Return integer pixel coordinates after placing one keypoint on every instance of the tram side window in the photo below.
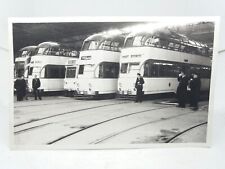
(168, 69)
(157, 68)
(171, 45)
(115, 46)
(108, 70)
(129, 42)
(138, 41)
(151, 41)
(182, 47)
(163, 43)
(147, 69)
(70, 72)
(81, 69)
(105, 45)
(93, 45)
(201, 71)
(124, 67)
(86, 45)
(205, 72)
(55, 71)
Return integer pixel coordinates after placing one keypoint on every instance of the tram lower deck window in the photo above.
(158, 68)
(55, 71)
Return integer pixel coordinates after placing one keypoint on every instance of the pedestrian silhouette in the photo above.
(182, 89)
(35, 85)
(139, 87)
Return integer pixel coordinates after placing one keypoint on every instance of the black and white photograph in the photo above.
(112, 82)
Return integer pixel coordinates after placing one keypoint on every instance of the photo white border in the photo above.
(215, 19)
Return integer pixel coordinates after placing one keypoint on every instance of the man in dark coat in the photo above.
(35, 85)
(195, 85)
(139, 87)
(182, 89)
(20, 86)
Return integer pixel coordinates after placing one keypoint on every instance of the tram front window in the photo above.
(138, 41)
(90, 45)
(24, 53)
(108, 70)
(55, 71)
(70, 72)
(41, 51)
(105, 45)
(129, 42)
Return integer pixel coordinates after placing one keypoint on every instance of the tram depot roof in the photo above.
(73, 34)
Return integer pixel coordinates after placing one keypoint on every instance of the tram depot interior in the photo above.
(91, 67)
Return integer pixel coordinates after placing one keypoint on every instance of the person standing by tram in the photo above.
(35, 85)
(182, 89)
(195, 85)
(20, 86)
(139, 87)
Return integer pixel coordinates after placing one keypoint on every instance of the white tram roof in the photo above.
(48, 44)
(102, 36)
(168, 34)
(28, 48)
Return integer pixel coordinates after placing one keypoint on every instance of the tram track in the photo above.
(97, 141)
(68, 112)
(170, 140)
(45, 104)
(34, 127)
(135, 127)
(105, 121)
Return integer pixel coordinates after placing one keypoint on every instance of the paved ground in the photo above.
(65, 121)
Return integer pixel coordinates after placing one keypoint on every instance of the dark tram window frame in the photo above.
(124, 68)
(161, 68)
(70, 72)
(81, 69)
(54, 72)
(156, 70)
(108, 70)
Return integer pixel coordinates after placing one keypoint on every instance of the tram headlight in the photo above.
(77, 86)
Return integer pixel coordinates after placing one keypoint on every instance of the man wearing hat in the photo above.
(139, 87)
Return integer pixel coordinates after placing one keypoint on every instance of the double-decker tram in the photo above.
(48, 64)
(99, 65)
(159, 57)
(70, 77)
(23, 60)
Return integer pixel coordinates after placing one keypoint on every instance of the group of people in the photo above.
(188, 89)
(22, 88)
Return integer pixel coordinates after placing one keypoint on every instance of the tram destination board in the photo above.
(112, 82)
